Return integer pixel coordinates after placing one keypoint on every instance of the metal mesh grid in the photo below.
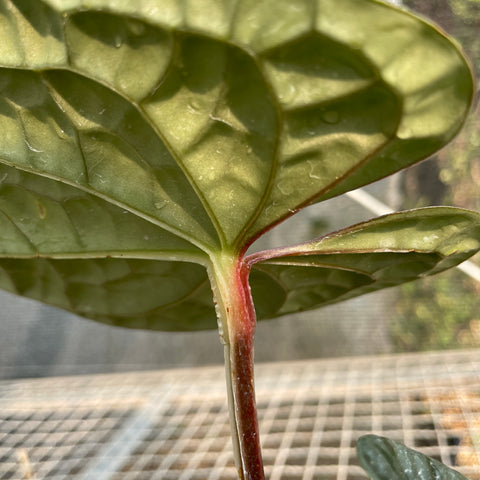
(173, 424)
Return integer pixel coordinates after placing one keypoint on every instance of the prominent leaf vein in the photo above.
(242, 240)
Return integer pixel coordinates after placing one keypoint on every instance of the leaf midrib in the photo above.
(243, 241)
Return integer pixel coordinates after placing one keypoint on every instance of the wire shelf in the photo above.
(173, 425)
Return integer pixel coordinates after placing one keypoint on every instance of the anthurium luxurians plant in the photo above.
(146, 145)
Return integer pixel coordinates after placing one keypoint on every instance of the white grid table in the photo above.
(173, 425)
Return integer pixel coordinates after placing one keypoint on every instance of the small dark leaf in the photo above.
(384, 459)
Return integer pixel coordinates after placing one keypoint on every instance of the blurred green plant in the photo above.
(460, 166)
(437, 313)
(442, 313)
(466, 10)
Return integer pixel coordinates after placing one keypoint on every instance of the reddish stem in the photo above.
(238, 326)
(246, 411)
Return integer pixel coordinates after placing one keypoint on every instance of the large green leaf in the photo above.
(384, 459)
(130, 293)
(141, 139)
(249, 115)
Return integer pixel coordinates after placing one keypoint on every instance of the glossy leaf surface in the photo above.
(384, 459)
(140, 139)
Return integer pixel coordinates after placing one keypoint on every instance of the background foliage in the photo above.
(444, 312)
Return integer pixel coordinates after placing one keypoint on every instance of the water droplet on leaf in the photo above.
(316, 170)
(270, 209)
(312, 126)
(32, 148)
(286, 187)
(137, 28)
(60, 132)
(80, 178)
(194, 106)
(42, 212)
(160, 204)
(100, 178)
(288, 94)
(331, 117)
